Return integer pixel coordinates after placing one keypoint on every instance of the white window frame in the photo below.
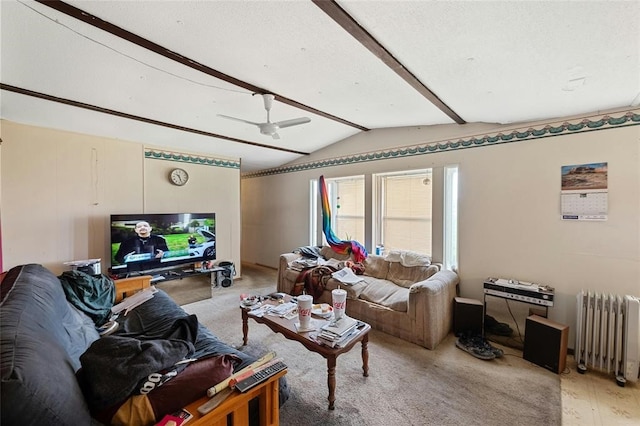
(450, 218)
(316, 234)
(378, 200)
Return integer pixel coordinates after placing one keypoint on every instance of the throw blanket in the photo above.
(93, 295)
(116, 366)
(313, 280)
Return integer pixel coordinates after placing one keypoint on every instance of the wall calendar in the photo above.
(584, 192)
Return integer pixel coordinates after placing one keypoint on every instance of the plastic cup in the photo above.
(305, 303)
(339, 302)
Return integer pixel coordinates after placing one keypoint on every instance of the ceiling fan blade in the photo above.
(239, 119)
(292, 122)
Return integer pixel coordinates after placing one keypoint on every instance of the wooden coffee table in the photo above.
(308, 339)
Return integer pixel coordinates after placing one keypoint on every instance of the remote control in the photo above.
(260, 376)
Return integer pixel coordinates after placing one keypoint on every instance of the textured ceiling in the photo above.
(493, 62)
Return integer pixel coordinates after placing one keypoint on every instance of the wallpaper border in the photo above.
(159, 154)
(551, 129)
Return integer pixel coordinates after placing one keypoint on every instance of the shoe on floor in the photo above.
(466, 344)
(492, 326)
(481, 342)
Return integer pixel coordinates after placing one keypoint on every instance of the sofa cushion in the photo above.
(156, 316)
(38, 368)
(386, 294)
(376, 266)
(406, 276)
(353, 290)
(82, 333)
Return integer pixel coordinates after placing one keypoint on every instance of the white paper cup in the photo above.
(339, 302)
(305, 303)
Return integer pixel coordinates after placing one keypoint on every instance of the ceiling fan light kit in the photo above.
(268, 128)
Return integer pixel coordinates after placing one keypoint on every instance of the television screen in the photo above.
(144, 242)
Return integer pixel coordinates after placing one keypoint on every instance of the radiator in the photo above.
(608, 334)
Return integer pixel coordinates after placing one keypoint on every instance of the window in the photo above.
(450, 258)
(403, 210)
(346, 200)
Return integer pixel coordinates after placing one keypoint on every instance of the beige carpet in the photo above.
(407, 384)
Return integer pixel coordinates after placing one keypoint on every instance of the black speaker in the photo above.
(468, 316)
(224, 278)
(545, 343)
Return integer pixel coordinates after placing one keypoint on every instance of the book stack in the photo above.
(338, 333)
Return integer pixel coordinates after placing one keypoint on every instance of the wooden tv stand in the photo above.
(128, 286)
(236, 406)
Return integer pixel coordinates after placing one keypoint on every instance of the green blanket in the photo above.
(93, 295)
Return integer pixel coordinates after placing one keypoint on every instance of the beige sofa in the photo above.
(414, 303)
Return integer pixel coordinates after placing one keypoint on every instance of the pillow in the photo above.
(190, 384)
(375, 266)
(408, 258)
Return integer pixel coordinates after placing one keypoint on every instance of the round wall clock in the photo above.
(178, 177)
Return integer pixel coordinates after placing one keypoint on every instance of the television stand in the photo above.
(170, 274)
(179, 274)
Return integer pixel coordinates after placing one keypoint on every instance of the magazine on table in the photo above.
(341, 326)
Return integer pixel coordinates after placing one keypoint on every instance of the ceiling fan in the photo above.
(268, 128)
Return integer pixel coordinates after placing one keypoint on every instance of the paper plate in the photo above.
(317, 310)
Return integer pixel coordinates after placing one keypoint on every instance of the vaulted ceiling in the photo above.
(162, 72)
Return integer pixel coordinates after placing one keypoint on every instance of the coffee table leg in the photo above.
(331, 380)
(245, 327)
(365, 355)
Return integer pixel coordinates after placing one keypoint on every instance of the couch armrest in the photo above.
(127, 286)
(283, 265)
(431, 306)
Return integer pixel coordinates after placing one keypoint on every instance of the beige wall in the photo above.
(509, 202)
(59, 188)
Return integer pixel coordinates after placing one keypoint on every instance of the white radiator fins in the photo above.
(608, 334)
(631, 352)
(619, 331)
(611, 331)
(581, 314)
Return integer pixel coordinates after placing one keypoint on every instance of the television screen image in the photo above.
(145, 242)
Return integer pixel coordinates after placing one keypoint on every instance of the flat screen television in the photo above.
(143, 243)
